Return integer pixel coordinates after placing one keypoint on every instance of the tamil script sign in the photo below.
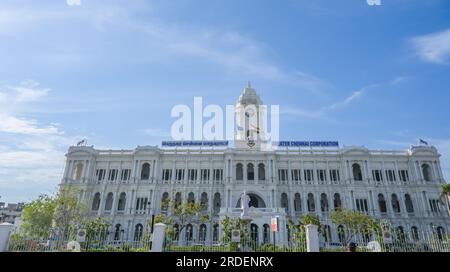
(194, 143)
(274, 224)
(308, 144)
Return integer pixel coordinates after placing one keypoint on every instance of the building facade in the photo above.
(128, 186)
(10, 213)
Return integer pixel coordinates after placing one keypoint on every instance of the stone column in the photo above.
(158, 237)
(5, 232)
(312, 238)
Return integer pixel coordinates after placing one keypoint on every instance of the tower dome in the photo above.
(249, 97)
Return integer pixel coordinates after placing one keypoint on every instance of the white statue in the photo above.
(245, 200)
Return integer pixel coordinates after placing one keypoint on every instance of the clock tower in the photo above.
(250, 116)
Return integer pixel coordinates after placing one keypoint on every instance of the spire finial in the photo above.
(249, 85)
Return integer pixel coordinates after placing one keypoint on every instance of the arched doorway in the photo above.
(255, 201)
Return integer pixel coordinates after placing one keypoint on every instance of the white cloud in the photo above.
(346, 101)
(31, 154)
(300, 112)
(11, 124)
(434, 47)
(161, 39)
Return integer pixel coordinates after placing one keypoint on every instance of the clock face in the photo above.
(250, 113)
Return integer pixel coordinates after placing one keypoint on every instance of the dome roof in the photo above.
(249, 97)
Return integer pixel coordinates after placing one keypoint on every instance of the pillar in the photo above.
(312, 238)
(158, 237)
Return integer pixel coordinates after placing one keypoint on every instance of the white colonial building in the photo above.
(128, 186)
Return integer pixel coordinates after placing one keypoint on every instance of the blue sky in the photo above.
(110, 71)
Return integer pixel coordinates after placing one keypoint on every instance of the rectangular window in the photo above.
(403, 174)
(179, 174)
(295, 174)
(390, 175)
(204, 174)
(218, 174)
(167, 174)
(100, 173)
(112, 175)
(309, 175)
(282, 174)
(141, 203)
(321, 175)
(377, 175)
(125, 174)
(334, 175)
(361, 205)
(434, 205)
(192, 174)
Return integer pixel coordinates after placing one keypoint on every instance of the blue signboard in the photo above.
(194, 143)
(308, 144)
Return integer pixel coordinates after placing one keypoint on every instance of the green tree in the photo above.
(182, 214)
(298, 232)
(229, 224)
(445, 195)
(37, 216)
(354, 223)
(96, 230)
(309, 219)
(69, 213)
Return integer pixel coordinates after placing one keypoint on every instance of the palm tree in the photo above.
(445, 195)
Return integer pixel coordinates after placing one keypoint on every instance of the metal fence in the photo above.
(374, 241)
(57, 241)
(105, 241)
(246, 244)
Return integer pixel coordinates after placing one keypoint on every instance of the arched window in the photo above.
(400, 233)
(409, 204)
(297, 202)
(426, 171)
(239, 171)
(189, 233)
(254, 233)
(202, 233)
(96, 202)
(145, 172)
(284, 201)
(395, 203)
(138, 230)
(341, 233)
(204, 201)
(177, 200)
(326, 233)
(324, 202)
(357, 174)
(414, 233)
(217, 202)
(266, 234)
(216, 233)
(78, 171)
(382, 203)
(191, 198)
(337, 201)
(250, 171)
(117, 232)
(122, 202)
(440, 233)
(311, 204)
(164, 201)
(261, 171)
(109, 202)
(176, 232)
